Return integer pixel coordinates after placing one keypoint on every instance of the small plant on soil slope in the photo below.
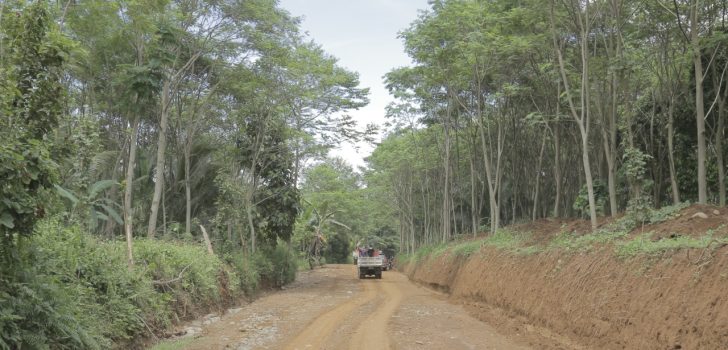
(608, 234)
(507, 239)
(465, 249)
(644, 245)
(429, 251)
(667, 213)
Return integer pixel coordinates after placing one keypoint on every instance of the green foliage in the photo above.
(338, 248)
(645, 245)
(36, 54)
(573, 242)
(71, 291)
(247, 272)
(581, 203)
(27, 170)
(507, 239)
(667, 212)
(634, 163)
(284, 263)
(276, 266)
(429, 252)
(466, 249)
(92, 204)
(199, 272)
(178, 344)
(264, 150)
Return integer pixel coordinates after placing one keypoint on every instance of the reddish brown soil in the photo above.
(331, 308)
(593, 300)
(543, 230)
(687, 224)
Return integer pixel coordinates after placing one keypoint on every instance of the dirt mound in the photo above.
(593, 300)
(543, 230)
(694, 220)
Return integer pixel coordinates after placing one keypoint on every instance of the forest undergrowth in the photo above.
(71, 290)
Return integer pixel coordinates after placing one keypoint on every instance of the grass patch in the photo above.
(666, 213)
(610, 233)
(644, 245)
(429, 251)
(506, 239)
(173, 344)
(465, 249)
(571, 242)
(615, 233)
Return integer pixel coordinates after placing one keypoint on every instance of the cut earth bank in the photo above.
(662, 285)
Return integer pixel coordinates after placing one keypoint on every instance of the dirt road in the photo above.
(330, 308)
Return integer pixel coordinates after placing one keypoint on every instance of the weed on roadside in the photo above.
(644, 245)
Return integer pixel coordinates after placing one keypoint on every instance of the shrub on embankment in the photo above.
(612, 289)
(69, 290)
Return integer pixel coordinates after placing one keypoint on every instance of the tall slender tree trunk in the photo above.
(249, 203)
(584, 125)
(538, 179)
(128, 189)
(159, 167)
(582, 118)
(188, 190)
(671, 151)
(719, 134)
(699, 104)
(557, 158)
(491, 179)
(251, 226)
(611, 144)
(446, 221)
(611, 138)
(473, 198)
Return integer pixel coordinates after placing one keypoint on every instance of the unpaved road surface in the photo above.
(331, 308)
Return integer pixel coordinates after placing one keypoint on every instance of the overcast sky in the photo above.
(362, 34)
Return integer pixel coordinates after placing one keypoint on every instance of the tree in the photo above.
(30, 104)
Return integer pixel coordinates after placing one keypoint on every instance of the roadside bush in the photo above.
(68, 290)
(186, 273)
(276, 266)
(247, 273)
(74, 292)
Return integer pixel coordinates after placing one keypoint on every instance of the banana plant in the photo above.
(95, 206)
(317, 218)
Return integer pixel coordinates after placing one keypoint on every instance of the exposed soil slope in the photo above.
(678, 300)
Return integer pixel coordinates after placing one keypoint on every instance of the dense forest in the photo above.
(161, 158)
(519, 110)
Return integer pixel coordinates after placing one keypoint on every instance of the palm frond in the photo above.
(102, 161)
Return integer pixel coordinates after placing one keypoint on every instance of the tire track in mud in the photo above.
(331, 309)
(376, 324)
(318, 331)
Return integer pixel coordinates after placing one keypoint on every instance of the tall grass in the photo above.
(68, 290)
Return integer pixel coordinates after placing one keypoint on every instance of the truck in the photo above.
(370, 266)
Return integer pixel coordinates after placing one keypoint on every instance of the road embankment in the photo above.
(591, 299)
